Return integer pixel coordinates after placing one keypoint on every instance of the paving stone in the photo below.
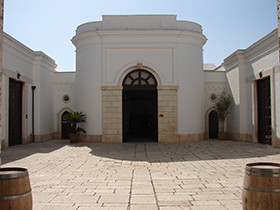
(215, 196)
(57, 206)
(208, 207)
(142, 191)
(192, 176)
(103, 207)
(175, 207)
(43, 197)
(168, 199)
(74, 199)
(113, 199)
(143, 206)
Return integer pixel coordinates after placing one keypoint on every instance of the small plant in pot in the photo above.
(73, 119)
(222, 106)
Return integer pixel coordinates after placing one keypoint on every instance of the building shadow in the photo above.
(18, 152)
(177, 152)
(150, 152)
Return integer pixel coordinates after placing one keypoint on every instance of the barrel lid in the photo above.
(266, 167)
(7, 173)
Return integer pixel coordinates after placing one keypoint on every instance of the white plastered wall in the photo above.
(191, 89)
(106, 50)
(25, 65)
(88, 85)
(243, 69)
(214, 83)
(277, 101)
(43, 94)
(17, 59)
(64, 83)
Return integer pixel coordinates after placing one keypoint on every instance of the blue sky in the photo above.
(49, 25)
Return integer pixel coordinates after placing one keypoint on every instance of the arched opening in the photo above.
(64, 127)
(140, 110)
(213, 125)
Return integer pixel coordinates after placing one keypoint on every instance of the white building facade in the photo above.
(141, 78)
(23, 69)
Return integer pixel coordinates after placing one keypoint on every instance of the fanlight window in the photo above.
(138, 78)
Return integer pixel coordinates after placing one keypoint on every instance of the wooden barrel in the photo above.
(261, 187)
(15, 190)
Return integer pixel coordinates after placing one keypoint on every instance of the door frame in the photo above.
(26, 90)
(264, 140)
(206, 124)
(125, 113)
(66, 127)
(253, 80)
(20, 141)
(139, 80)
(59, 121)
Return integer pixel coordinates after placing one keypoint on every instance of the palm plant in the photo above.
(73, 119)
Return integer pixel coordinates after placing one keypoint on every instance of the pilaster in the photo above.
(112, 114)
(167, 114)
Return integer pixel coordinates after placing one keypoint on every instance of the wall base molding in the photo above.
(277, 142)
(4, 144)
(42, 137)
(191, 137)
(90, 138)
(244, 137)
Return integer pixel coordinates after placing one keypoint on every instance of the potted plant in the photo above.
(222, 105)
(73, 119)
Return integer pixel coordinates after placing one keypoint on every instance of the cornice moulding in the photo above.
(17, 45)
(98, 36)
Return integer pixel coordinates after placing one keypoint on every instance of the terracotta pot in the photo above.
(223, 136)
(74, 137)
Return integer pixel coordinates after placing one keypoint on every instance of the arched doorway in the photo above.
(140, 110)
(213, 125)
(64, 127)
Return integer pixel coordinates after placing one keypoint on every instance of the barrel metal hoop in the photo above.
(263, 175)
(24, 172)
(261, 189)
(249, 167)
(14, 197)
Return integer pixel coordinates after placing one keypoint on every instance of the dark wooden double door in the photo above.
(140, 115)
(264, 111)
(15, 112)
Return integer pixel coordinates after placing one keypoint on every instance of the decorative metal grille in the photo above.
(138, 78)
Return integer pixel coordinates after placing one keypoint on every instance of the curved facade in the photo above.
(171, 50)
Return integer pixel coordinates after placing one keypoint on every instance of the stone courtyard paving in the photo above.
(196, 175)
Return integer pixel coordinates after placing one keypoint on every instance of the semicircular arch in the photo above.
(207, 121)
(59, 115)
(139, 67)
